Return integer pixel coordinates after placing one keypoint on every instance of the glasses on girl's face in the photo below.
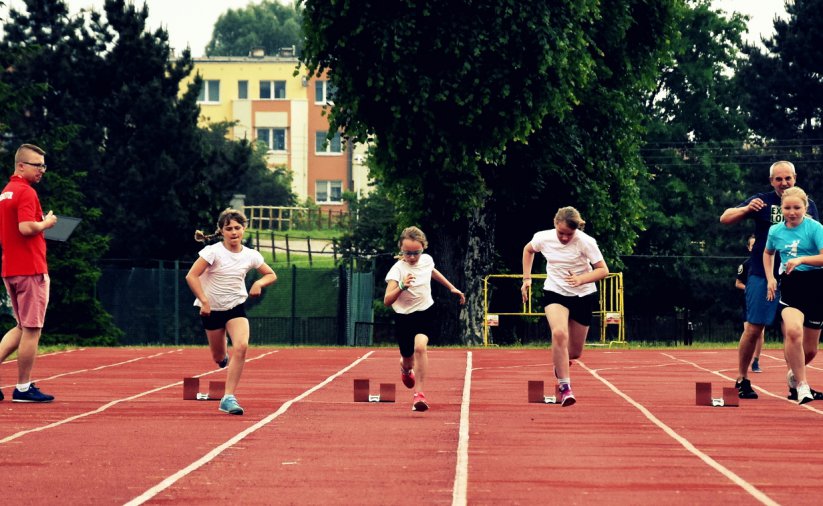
(412, 253)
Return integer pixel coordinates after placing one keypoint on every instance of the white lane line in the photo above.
(46, 355)
(205, 459)
(461, 472)
(717, 466)
(99, 368)
(731, 379)
(115, 402)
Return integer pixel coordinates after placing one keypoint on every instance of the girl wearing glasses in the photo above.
(408, 292)
(573, 265)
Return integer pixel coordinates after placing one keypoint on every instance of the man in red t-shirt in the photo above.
(25, 272)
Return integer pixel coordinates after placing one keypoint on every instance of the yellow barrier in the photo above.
(611, 310)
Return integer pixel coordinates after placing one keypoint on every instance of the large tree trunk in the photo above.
(463, 252)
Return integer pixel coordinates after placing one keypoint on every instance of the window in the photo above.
(327, 192)
(272, 90)
(273, 138)
(209, 92)
(242, 90)
(334, 144)
(324, 92)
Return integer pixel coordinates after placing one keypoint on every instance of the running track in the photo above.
(120, 433)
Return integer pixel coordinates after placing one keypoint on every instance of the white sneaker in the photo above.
(804, 393)
(790, 379)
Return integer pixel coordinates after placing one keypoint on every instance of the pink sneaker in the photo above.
(566, 396)
(419, 403)
(407, 377)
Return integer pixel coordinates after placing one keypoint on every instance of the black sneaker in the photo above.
(744, 389)
(818, 396)
(1, 395)
(33, 394)
(223, 363)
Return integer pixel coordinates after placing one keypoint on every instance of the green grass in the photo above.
(300, 260)
(320, 233)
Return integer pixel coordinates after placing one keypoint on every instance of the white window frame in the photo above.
(273, 88)
(320, 137)
(269, 138)
(239, 87)
(206, 89)
(324, 93)
(326, 187)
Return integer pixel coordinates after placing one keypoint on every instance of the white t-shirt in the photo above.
(419, 295)
(576, 257)
(224, 281)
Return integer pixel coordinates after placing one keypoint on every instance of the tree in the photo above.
(448, 88)
(127, 153)
(34, 50)
(783, 90)
(694, 130)
(265, 186)
(268, 24)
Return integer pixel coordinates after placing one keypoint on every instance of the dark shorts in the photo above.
(580, 308)
(409, 325)
(217, 320)
(801, 290)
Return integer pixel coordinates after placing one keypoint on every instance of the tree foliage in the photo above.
(150, 168)
(452, 89)
(783, 90)
(694, 131)
(268, 24)
(267, 186)
(124, 149)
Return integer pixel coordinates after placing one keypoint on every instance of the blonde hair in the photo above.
(570, 217)
(795, 191)
(225, 217)
(27, 147)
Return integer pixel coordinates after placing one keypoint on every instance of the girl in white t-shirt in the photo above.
(218, 280)
(408, 292)
(573, 265)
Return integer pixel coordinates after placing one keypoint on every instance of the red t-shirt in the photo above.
(22, 255)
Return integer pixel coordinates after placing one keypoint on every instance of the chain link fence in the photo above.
(152, 304)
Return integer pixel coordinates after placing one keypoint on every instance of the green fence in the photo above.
(152, 304)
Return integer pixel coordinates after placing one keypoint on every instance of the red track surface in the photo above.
(120, 432)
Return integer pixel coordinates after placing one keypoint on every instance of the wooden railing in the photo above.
(283, 218)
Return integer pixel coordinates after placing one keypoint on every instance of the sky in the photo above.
(190, 22)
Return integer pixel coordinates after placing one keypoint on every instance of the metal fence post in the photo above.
(293, 300)
(177, 302)
(159, 313)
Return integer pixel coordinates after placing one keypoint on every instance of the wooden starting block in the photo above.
(703, 396)
(362, 392)
(191, 390)
(537, 393)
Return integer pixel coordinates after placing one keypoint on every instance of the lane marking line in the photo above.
(110, 404)
(461, 471)
(761, 389)
(205, 459)
(717, 466)
(99, 368)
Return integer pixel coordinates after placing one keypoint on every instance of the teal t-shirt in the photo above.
(803, 240)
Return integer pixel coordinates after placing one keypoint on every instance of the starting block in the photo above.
(191, 387)
(537, 393)
(361, 392)
(703, 396)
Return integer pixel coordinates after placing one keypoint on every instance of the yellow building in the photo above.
(271, 105)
